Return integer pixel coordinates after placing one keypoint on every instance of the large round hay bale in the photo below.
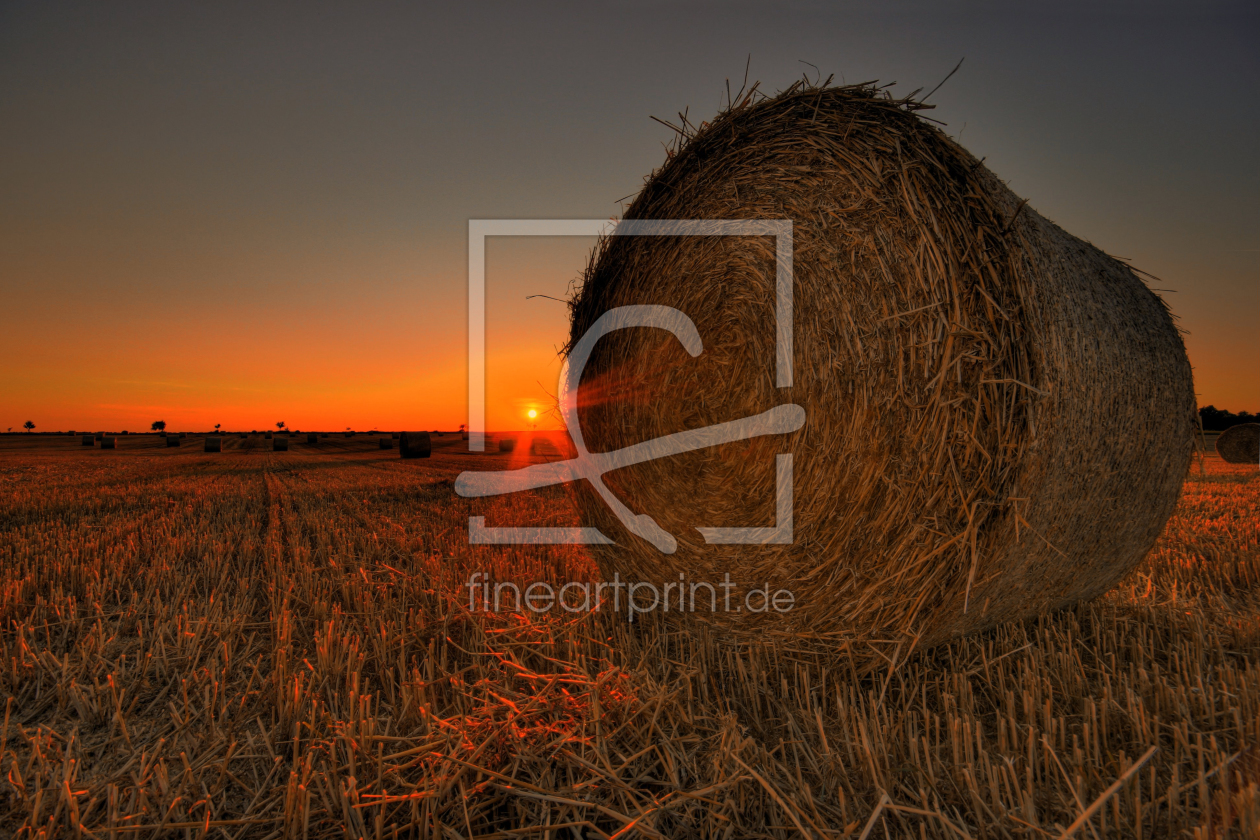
(1240, 444)
(414, 445)
(99, 435)
(107, 443)
(387, 443)
(998, 416)
(507, 444)
(267, 436)
(172, 440)
(312, 439)
(88, 440)
(280, 443)
(214, 443)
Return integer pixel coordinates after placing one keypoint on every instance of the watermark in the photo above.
(638, 596)
(591, 467)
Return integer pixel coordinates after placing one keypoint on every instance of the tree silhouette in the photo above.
(1218, 419)
(158, 425)
(216, 427)
(280, 425)
(28, 425)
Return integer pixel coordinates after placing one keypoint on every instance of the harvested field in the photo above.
(259, 646)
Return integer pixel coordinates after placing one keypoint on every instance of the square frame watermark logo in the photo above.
(590, 466)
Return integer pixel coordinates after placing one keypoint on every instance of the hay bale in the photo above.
(1240, 444)
(172, 440)
(349, 434)
(107, 443)
(88, 440)
(998, 416)
(280, 444)
(463, 435)
(507, 444)
(214, 443)
(312, 439)
(387, 443)
(415, 445)
(267, 436)
(99, 435)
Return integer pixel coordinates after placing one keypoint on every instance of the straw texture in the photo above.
(1240, 444)
(414, 445)
(999, 416)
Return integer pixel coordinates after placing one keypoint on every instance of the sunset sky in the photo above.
(240, 214)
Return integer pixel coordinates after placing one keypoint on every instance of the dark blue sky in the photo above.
(318, 159)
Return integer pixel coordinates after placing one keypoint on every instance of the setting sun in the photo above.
(532, 414)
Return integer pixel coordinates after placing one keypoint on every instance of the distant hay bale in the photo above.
(414, 445)
(280, 444)
(349, 434)
(89, 440)
(463, 435)
(107, 443)
(1240, 444)
(267, 436)
(507, 444)
(387, 443)
(312, 439)
(99, 435)
(998, 417)
(214, 443)
(172, 440)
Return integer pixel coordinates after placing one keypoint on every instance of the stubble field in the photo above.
(278, 644)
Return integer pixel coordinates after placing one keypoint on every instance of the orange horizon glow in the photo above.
(321, 356)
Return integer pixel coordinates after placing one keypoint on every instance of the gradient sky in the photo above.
(246, 213)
